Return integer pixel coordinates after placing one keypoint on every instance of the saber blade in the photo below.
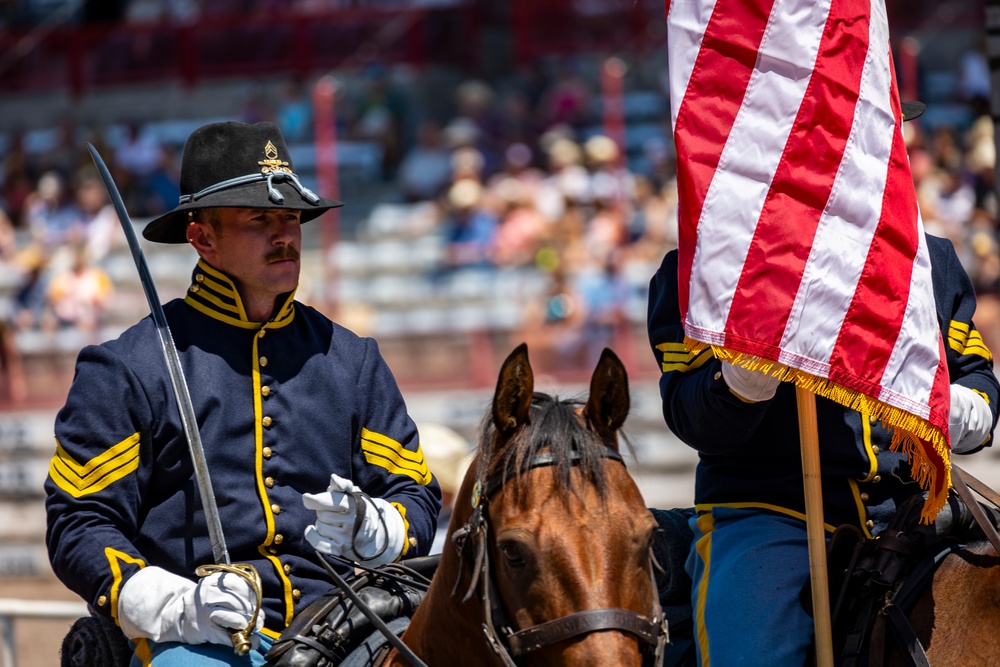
(214, 522)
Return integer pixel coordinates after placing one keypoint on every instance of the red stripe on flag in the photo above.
(802, 182)
(941, 392)
(707, 112)
(875, 315)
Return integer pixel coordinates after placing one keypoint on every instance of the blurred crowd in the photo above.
(517, 174)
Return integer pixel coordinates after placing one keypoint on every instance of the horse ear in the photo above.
(608, 403)
(515, 387)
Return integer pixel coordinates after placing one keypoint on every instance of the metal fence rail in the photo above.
(12, 609)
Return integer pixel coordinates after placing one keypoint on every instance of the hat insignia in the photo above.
(272, 163)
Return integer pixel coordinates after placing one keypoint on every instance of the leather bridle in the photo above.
(509, 644)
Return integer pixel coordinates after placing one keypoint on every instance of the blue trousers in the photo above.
(175, 654)
(748, 568)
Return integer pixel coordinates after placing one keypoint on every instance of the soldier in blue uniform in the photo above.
(300, 418)
(749, 558)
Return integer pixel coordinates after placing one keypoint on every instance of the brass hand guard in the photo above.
(241, 638)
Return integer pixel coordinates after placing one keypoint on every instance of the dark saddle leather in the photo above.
(326, 632)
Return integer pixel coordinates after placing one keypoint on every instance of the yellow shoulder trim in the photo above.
(98, 473)
(384, 452)
(115, 558)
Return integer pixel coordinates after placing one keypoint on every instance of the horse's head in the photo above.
(567, 553)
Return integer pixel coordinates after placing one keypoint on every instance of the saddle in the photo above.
(333, 631)
(874, 583)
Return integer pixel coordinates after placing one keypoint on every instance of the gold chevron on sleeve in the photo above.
(79, 480)
(677, 358)
(965, 340)
(385, 452)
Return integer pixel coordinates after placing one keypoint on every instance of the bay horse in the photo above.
(956, 617)
(549, 558)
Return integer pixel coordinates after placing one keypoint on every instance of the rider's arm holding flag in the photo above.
(698, 403)
(974, 393)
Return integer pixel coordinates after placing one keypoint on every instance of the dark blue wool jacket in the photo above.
(280, 406)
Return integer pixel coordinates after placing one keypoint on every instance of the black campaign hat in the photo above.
(912, 109)
(236, 165)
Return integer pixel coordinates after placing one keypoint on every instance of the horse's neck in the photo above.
(444, 628)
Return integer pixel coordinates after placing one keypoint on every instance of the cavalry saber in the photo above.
(219, 550)
(241, 641)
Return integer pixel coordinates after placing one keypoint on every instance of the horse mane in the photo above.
(553, 426)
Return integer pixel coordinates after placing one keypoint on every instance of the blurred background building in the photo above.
(508, 171)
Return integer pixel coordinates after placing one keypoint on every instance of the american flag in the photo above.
(801, 247)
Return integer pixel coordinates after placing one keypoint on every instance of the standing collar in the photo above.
(214, 293)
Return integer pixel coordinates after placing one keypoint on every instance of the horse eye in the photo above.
(513, 554)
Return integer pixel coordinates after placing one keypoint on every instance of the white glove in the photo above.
(162, 606)
(336, 515)
(969, 419)
(751, 386)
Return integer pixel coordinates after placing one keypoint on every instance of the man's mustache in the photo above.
(284, 252)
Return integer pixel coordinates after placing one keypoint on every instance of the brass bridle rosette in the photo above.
(241, 638)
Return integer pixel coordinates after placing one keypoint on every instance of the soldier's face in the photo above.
(258, 248)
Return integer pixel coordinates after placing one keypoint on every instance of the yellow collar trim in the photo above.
(214, 293)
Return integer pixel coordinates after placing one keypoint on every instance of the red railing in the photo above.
(79, 58)
(553, 27)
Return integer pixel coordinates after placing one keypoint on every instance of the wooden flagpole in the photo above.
(815, 532)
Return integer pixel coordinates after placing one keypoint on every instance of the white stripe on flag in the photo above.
(914, 360)
(752, 153)
(848, 225)
(688, 21)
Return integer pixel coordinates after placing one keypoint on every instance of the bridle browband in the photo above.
(509, 644)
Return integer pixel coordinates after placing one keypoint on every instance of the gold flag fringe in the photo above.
(923, 444)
